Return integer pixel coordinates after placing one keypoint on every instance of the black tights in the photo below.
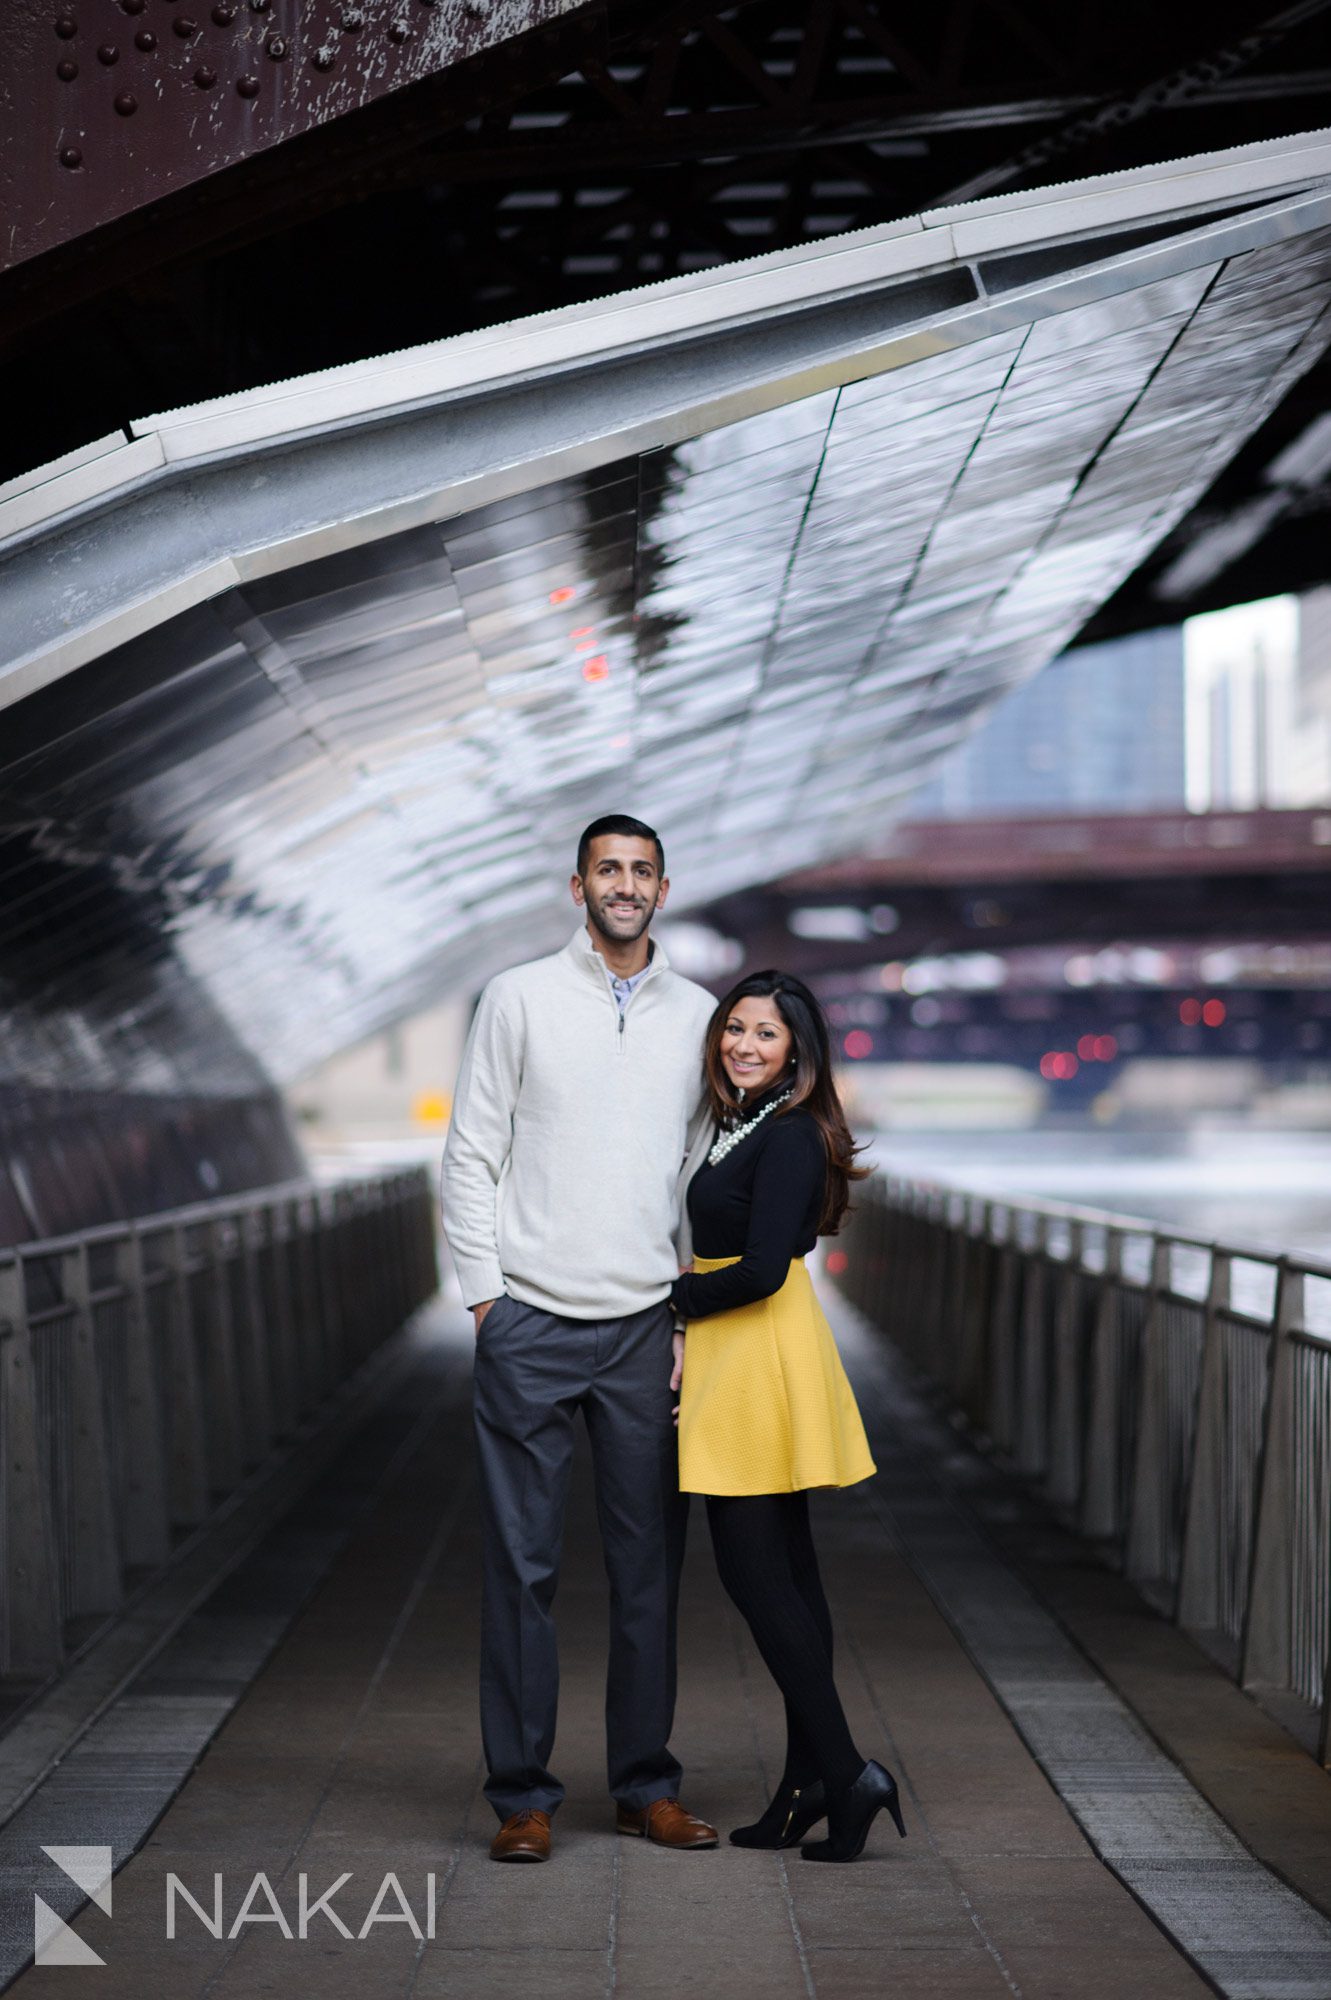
(768, 1564)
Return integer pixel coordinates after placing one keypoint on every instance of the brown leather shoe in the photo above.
(524, 1836)
(667, 1823)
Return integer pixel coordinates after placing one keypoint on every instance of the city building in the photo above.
(1241, 667)
(1101, 729)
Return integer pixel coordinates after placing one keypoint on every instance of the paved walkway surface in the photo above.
(1055, 1848)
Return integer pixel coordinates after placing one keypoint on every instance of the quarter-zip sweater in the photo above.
(570, 1121)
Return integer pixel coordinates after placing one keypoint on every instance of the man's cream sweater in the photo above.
(570, 1123)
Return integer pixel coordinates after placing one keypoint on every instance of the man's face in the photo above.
(623, 887)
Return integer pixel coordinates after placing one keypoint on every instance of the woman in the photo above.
(766, 1411)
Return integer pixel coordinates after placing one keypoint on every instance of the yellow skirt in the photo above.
(765, 1405)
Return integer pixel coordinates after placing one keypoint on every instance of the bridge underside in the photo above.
(267, 190)
(308, 688)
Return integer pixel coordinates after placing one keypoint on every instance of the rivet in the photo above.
(398, 31)
(323, 57)
(260, 6)
(126, 104)
(132, 6)
(478, 9)
(278, 47)
(353, 21)
(67, 70)
(184, 27)
(205, 77)
(71, 157)
(145, 40)
(224, 16)
(108, 54)
(247, 86)
(66, 27)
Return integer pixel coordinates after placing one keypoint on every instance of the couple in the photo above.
(585, 1078)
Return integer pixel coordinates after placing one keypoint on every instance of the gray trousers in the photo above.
(534, 1371)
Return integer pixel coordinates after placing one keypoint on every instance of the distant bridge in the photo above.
(1093, 879)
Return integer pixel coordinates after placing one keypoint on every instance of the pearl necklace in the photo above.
(725, 1142)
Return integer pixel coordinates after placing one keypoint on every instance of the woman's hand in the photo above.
(677, 1372)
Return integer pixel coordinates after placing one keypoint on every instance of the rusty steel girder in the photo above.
(113, 104)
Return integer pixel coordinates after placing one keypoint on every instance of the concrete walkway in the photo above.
(354, 1752)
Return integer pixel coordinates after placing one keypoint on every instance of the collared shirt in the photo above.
(623, 988)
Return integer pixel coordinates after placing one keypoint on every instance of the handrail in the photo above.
(147, 1366)
(1184, 1428)
(1134, 1225)
(211, 1206)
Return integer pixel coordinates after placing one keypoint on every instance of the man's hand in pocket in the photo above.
(677, 1372)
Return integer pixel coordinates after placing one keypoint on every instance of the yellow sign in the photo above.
(432, 1107)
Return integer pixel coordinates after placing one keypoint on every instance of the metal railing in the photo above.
(146, 1367)
(1168, 1396)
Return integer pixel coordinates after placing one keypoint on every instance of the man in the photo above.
(579, 1081)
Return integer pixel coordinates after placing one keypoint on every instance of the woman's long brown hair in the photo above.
(812, 1082)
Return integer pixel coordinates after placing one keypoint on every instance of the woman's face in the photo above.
(756, 1044)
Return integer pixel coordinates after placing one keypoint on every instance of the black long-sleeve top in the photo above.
(761, 1203)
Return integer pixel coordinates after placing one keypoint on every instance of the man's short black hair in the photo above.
(617, 823)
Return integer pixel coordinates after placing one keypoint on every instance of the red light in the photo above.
(582, 632)
(1213, 1013)
(1106, 1048)
(858, 1045)
(1190, 1013)
(564, 595)
(837, 1262)
(1086, 1048)
(596, 669)
(1058, 1066)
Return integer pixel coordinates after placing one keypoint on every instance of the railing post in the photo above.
(1144, 1549)
(331, 1302)
(94, 1582)
(1265, 1657)
(976, 1303)
(256, 1361)
(279, 1320)
(1032, 1439)
(221, 1386)
(144, 1525)
(30, 1638)
(1001, 1396)
(313, 1341)
(187, 1456)
(285, 1224)
(1199, 1604)
(1064, 1455)
(428, 1238)
(1102, 1502)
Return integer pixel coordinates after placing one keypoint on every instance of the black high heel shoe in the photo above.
(786, 1821)
(851, 1813)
